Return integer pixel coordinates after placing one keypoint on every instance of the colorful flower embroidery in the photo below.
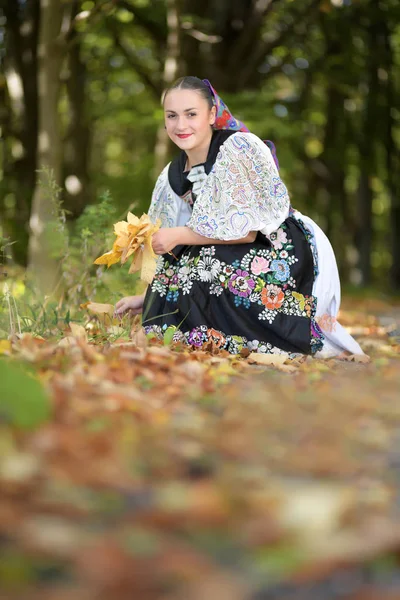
(272, 297)
(241, 284)
(196, 337)
(259, 265)
(201, 335)
(278, 238)
(280, 269)
(262, 280)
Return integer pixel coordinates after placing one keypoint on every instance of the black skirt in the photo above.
(256, 296)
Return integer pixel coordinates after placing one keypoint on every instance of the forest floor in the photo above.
(134, 470)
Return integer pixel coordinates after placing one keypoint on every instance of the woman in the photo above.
(238, 266)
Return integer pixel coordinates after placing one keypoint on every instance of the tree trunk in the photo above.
(19, 121)
(392, 162)
(171, 70)
(369, 137)
(43, 266)
(77, 193)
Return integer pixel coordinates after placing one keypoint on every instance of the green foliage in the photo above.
(310, 93)
(56, 233)
(23, 400)
(22, 310)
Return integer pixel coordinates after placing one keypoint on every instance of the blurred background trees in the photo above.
(80, 87)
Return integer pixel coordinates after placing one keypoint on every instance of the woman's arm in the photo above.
(167, 238)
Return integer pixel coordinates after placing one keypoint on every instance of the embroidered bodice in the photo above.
(243, 192)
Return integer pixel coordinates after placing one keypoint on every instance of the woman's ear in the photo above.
(213, 115)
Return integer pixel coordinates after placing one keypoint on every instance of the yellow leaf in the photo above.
(136, 263)
(134, 237)
(149, 264)
(132, 219)
(120, 228)
(109, 258)
(5, 346)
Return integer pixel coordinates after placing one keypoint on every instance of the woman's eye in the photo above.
(192, 114)
(170, 116)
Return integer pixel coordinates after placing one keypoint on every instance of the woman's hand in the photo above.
(133, 304)
(165, 239)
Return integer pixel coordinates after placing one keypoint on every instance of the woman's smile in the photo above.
(183, 136)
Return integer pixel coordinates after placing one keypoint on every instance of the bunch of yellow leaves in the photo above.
(133, 238)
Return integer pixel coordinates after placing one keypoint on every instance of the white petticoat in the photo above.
(326, 289)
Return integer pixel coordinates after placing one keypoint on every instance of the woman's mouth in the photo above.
(183, 136)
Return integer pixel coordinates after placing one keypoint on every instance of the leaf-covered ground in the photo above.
(155, 473)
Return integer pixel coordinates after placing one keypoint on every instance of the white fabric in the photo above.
(197, 176)
(167, 206)
(326, 289)
(244, 193)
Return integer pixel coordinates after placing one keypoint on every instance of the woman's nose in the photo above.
(182, 123)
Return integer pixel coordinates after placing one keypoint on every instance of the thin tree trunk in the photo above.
(19, 120)
(369, 134)
(171, 70)
(42, 265)
(392, 164)
(76, 178)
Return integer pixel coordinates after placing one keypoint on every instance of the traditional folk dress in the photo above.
(280, 293)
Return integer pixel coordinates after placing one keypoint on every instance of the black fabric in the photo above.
(178, 177)
(227, 312)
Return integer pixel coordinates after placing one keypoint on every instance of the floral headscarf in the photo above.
(225, 120)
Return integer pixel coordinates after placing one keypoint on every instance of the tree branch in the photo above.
(157, 30)
(134, 62)
(266, 47)
(68, 27)
(249, 31)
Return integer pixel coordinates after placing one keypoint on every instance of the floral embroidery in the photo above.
(272, 297)
(259, 265)
(243, 192)
(208, 268)
(310, 239)
(262, 279)
(241, 284)
(280, 269)
(278, 238)
(164, 202)
(201, 335)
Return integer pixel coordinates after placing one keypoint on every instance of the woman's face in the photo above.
(188, 119)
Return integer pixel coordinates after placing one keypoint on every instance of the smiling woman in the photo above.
(238, 265)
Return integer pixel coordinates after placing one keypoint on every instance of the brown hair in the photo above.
(192, 83)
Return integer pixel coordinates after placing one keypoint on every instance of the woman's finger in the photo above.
(120, 309)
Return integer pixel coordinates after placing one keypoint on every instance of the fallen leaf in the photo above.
(256, 358)
(78, 332)
(357, 358)
(139, 338)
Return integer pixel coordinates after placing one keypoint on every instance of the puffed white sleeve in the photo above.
(242, 193)
(164, 203)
